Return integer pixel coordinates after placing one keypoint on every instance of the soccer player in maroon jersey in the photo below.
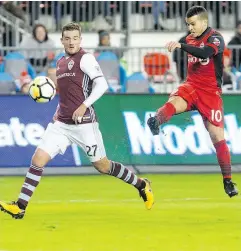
(202, 89)
(80, 83)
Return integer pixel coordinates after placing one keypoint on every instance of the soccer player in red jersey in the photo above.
(202, 89)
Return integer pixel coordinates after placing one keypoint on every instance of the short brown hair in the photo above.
(197, 10)
(71, 27)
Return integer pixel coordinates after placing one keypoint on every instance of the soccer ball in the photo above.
(42, 89)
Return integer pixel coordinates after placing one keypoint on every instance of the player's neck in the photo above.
(67, 55)
(204, 32)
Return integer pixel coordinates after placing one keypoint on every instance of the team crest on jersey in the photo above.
(70, 64)
(216, 41)
(201, 45)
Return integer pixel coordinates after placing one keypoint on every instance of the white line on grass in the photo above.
(127, 200)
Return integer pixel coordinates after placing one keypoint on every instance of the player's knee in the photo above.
(103, 166)
(179, 103)
(40, 158)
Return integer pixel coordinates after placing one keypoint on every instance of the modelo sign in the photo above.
(175, 140)
(127, 138)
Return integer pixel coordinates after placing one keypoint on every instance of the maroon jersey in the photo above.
(206, 73)
(75, 75)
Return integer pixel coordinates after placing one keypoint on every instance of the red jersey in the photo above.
(206, 73)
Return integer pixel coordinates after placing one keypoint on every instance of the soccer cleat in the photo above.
(12, 209)
(153, 124)
(230, 188)
(147, 195)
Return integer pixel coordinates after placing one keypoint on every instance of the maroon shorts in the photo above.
(209, 105)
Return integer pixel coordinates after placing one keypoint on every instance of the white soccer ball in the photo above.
(42, 89)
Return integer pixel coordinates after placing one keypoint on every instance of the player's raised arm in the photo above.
(202, 53)
(90, 66)
(214, 46)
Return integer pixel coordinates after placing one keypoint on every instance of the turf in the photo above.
(100, 213)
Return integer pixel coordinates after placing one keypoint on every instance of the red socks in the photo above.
(224, 159)
(165, 112)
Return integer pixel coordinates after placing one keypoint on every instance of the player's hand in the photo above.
(171, 46)
(79, 113)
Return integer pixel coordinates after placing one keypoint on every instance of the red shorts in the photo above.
(209, 105)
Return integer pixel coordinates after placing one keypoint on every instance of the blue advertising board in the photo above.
(127, 138)
(22, 123)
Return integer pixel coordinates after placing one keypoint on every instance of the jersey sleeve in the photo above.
(216, 42)
(183, 40)
(205, 52)
(90, 66)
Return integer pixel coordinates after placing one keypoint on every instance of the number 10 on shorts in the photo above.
(216, 115)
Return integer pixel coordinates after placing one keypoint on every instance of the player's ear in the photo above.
(205, 22)
(61, 40)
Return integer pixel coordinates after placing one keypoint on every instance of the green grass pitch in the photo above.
(101, 213)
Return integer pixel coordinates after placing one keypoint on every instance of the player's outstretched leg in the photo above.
(224, 160)
(33, 177)
(120, 171)
(163, 115)
(175, 105)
